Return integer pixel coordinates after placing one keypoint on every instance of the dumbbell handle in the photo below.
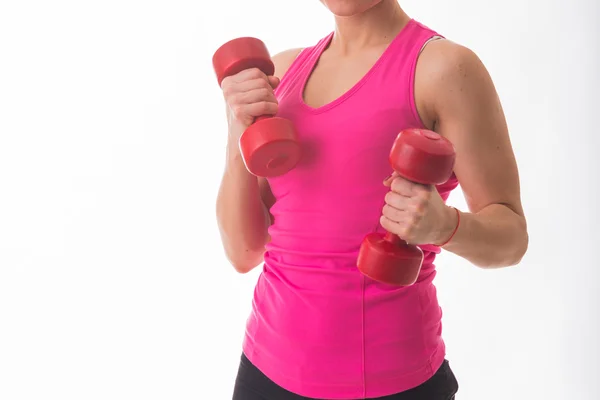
(394, 239)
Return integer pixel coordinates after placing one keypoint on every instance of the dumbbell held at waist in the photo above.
(269, 146)
(420, 156)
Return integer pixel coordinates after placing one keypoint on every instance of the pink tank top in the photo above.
(318, 327)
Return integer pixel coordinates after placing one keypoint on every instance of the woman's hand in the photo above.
(248, 94)
(416, 212)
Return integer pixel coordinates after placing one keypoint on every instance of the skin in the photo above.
(455, 97)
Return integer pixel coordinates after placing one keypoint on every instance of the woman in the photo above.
(319, 328)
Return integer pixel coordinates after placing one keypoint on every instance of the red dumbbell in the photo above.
(420, 156)
(269, 146)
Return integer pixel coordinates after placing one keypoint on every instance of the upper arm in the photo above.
(282, 61)
(455, 90)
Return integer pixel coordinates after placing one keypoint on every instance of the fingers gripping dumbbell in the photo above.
(420, 156)
(269, 146)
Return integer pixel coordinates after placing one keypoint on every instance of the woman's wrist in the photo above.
(234, 162)
(450, 225)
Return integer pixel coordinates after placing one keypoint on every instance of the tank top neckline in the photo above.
(313, 60)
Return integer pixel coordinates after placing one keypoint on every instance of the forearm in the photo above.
(494, 237)
(241, 215)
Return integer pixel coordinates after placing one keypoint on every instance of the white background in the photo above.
(113, 283)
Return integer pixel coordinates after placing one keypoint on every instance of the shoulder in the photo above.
(447, 72)
(284, 59)
(442, 59)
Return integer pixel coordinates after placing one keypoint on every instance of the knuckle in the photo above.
(271, 107)
(259, 108)
(417, 208)
(237, 110)
(227, 87)
(264, 93)
(235, 103)
(405, 232)
(256, 73)
(265, 84)
(416, 217)
(232, 98)
(394, 199)
(388, 197)
(264, 106)
(391, 226)
(386, 210)
(383, 222)
(398, 185)
(226, 82)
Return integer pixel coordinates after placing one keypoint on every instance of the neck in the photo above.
(376, 26)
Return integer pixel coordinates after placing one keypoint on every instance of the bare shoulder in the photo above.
(446, 71)
(446, 56)
(283, 60)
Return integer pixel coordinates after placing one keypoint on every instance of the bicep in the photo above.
(468, 112)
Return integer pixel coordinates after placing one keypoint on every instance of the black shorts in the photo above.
(251, 384)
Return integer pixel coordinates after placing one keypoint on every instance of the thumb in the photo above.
(388, 181)
(274, 81)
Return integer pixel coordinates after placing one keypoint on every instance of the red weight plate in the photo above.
(269, 147)
(240, 54)
(422, 156)
(389, 259)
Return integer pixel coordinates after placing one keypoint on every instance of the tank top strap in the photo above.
(421, 37)
(303, 61)
(396, 69)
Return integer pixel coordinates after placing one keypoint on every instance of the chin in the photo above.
(349, 8)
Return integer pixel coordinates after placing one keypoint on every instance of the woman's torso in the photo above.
(318, 327)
